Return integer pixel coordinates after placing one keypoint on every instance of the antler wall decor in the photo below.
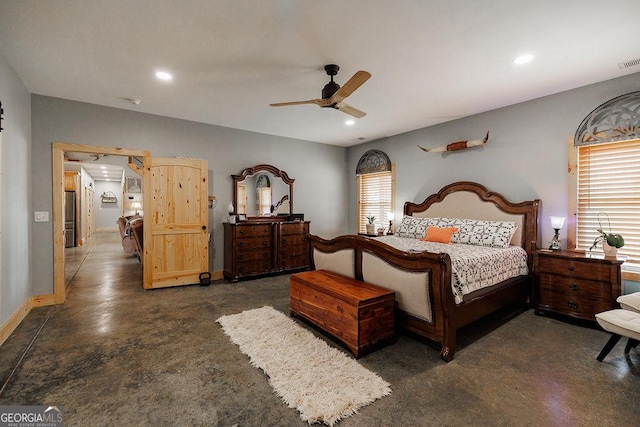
(458, 145)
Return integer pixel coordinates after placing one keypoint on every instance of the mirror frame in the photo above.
(254, 170)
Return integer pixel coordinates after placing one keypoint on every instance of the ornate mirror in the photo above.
(262, 192)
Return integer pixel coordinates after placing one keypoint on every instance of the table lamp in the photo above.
(390, 218)
(136, 206)
(557, 222)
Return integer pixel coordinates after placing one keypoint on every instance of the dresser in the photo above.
(258, 248)
(575, 284)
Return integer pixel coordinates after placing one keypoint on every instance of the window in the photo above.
(608, 180)
(375, 183)
(606, 154)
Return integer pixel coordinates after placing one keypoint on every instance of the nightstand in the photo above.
(576, 284)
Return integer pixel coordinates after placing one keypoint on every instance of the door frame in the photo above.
(57, 157)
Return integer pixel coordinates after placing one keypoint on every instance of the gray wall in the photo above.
(319, 170)
(16, 215)
(525, 158)
(107, 213)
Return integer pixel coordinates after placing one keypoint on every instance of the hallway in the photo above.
(115, 354)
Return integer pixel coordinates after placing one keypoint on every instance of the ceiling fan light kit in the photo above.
(333, 94)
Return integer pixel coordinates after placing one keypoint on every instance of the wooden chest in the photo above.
(359, 314)
(576, 284)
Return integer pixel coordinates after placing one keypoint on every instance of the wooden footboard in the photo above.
(445, 316)
(437, 270)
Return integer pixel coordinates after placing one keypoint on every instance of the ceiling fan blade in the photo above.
(346, 108)
(351, 85)
(284, 104)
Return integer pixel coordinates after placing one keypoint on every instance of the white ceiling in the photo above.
(431, 61)
(95, 165)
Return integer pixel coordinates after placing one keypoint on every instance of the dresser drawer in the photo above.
(254, 255)
(293, 240)
(291, 262)
(253, 267)
(289, 228)
(243, 245)
(573, 268)
(253, 230)
(584, 308)
(576, 287)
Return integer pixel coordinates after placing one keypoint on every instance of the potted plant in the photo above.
(371, 227)
(611, 242)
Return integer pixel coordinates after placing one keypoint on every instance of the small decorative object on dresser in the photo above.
(611, 242)
(370, 226)
(575, 284)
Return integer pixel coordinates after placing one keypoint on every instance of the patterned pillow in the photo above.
(496, 234)
(413, 228)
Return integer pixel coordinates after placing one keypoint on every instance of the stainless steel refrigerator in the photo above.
(69, 219)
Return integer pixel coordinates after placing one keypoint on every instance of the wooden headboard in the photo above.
(471, 200)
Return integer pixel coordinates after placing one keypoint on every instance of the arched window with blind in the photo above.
(608, 176)
(375, 184)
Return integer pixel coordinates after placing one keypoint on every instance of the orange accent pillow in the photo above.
(439, 234)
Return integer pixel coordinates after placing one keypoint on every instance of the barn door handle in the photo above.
(204, 227)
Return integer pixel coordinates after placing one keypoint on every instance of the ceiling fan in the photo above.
(333, 95)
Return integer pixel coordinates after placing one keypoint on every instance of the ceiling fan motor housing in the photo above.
(331, 87)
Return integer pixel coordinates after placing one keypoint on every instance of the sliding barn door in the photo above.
(176, 243)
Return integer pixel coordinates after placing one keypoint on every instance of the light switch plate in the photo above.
(41, 216)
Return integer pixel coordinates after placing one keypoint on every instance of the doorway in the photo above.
(58, 150)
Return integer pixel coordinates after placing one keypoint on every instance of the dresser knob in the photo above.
(574, 287)
(572, 304)
(571, 268)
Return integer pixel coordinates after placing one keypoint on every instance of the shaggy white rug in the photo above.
(322, 383)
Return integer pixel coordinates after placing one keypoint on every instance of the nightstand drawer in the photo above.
(573, 268)
(576, 287)
(583, 308)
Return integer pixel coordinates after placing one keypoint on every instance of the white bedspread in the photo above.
(473, 267)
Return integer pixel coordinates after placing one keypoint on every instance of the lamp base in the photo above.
(555, 242)
(389, 232)
(555, 246)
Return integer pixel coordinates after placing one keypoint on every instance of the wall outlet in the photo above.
(41, 216)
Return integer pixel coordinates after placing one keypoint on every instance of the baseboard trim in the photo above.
(43, 300)
(217, 275)
(12, 323)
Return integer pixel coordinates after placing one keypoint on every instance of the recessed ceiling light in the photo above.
(350, 122)
(163, 75)
(103, 167)
(523, 59)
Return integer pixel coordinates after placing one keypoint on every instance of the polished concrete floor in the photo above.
(115, 354)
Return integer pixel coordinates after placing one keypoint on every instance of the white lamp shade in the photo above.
(557, 222)
(390, 216)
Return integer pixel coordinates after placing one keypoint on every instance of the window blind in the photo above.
(375, 197)
(609, 182)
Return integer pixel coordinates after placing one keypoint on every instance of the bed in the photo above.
(422, 276)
